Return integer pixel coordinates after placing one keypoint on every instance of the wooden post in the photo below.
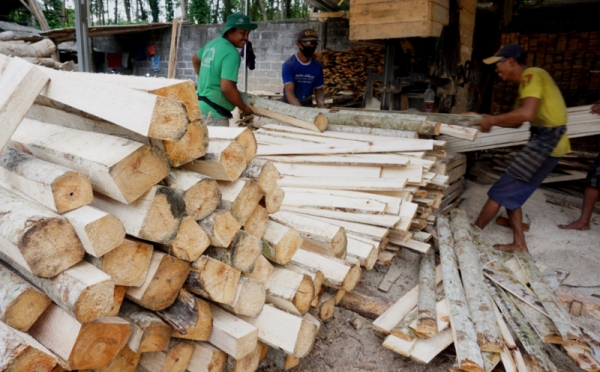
(41, 241)
(21, 82)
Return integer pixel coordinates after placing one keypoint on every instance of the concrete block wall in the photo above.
(273, 43)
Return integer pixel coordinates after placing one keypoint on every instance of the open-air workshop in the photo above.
(299, 185)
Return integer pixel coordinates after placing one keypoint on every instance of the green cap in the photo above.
(237, 20)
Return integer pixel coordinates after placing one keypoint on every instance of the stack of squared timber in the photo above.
(129, 241)
(481, 295)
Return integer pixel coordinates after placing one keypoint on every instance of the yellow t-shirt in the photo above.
(552, 111)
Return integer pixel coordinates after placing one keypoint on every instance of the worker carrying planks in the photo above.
(541, 103)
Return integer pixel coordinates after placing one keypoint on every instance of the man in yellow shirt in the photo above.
(541, 103)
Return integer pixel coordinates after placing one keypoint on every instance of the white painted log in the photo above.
(213, 279)
(318, 236)
(240, 198)
(119, 168)
(21, 82)
(224, 160)
(98, 231)
(175, 359)
(200, 193)
(21, 304)
(127, 264)
(290, 291)
(292, 334)
(80, 346)
(478, 298)
(189, 243)
(150, 332)
(39, 240)
(395, 313)
(338, 273)
(155, 216)
(51, 185)
(21, 352)
(231, 334)
(465, 336)
(166, 275)
(250, 297)
(206, 358)
(220, 227)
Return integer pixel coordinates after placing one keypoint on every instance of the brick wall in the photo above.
(273, 43)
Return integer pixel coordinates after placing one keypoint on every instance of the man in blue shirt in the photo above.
(302, 74)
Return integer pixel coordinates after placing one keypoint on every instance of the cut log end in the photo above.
(71, 191)
(267, 181)
(248, 142)
(87, 306)
(352, 278)
(164, 217)
(137, 173)
(98, 341)
(202, 199)
(105, 234)
(326, 308)
(339, 243)
(192, 145)
(287, 246)
(128, 263)
(426, 328)
(274, 199)
(225, 228)
(321, 122)
(166, 283)
(257, 222)
(246, 249)
(31, 359)
(306, 338)
(169, 120)
(191, 241)
(304, 295)
(27, 308)
(155, 338)
(50, 246)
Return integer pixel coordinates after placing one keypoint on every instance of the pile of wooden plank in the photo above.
(131, 241)
(492, 306)
(347, 71)
(581, 123)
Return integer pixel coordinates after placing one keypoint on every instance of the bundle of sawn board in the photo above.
(131, 241)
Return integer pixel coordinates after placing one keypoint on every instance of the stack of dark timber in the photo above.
(492, 306)
(581, 123)
(347, 71)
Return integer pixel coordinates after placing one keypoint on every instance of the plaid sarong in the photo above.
(529, 160)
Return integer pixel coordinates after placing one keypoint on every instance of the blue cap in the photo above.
(508, 51)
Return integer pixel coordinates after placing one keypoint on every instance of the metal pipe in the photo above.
(84, 55)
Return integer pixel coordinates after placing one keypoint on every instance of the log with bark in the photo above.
(250, 296)
(264, 173)
(174, 359)
(166, 275)
(155, 216)
(192, 145)
(207, 358)
(324, 309)
(221, 227)
(302, 117)
(127, 264)
(42, 48)
(478, 298)
(231, 334)
(213, 280)
(465, 338)
(80, 346)
(242, 253)
(366, 301)
(240, 198)
(426, 318)
(190, 317)
(150, 332)
(200, 193)
(21, 352)
(189, 243)
(119, 168)
(318, 236)
(290, 291)
(224, 161)
(280, 242)
(41, 241)
(21, 304)
(51, 185)
(293, 334)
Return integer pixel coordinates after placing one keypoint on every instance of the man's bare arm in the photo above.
(320, 97)
(513, 119)
(289, 94)
(232, 94)
(196, 63)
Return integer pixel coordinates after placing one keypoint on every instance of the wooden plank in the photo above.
(21, 82)
(369, 219)
(398, 145)
(357, 184)
(233, 335)
(393, 273)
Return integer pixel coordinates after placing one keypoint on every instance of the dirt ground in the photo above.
(342, 347)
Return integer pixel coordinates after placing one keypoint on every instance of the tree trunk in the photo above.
(21, 352)
(189, 316)
(53, 186)
(116, 20)
(37, 11)
(213, 280)
(189, 243)
(152, 333)
(263, 11)
(81, 346)
(184, 6)
(127, 4)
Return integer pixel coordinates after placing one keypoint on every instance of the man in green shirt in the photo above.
(217, 65)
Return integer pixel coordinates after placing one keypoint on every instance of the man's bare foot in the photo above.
(577, 225)
(510, 248)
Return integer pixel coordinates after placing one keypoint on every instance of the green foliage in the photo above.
(154, 10)
(169, 10)
(199, 12)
